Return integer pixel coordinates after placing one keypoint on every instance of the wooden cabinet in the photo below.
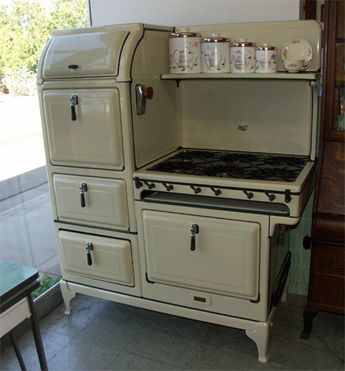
(326, 286)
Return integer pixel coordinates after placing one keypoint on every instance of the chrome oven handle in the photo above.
(89, 248)
(193, 230)
(140, 97)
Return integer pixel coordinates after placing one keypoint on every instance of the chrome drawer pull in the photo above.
(194, 230)
(82, 189)
(89, 248)
(73, 101)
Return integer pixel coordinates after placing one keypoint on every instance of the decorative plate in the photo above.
(297, 48)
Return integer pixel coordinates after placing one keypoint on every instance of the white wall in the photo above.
(189, 12)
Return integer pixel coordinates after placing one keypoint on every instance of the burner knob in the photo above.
(168, 187)
(270, 196)
(216, 191)
(149, 185)
(196, 189)
(249, 195)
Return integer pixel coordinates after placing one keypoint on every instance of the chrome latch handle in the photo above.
(73, 100)
(89, 248)
(82, 189)
(141, 94)
(193, 230)
(140, 98)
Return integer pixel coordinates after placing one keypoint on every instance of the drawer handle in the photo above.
(73, 66)
(82, 189)
(73, 100)
(194, 230)
(89, 248)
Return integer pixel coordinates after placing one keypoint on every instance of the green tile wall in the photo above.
(299, 270)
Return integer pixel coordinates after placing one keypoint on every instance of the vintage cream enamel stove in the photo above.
(175, 193)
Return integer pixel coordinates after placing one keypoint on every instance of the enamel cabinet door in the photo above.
(92, 201)
(210, 254)
(84, 128)
(102, 258)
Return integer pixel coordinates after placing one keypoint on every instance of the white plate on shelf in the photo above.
(297, 48)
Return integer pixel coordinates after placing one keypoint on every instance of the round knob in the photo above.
(270, 196)
(249, 195)
(216, 191)
(196, 189)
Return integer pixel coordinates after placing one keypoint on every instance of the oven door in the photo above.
(202, 253)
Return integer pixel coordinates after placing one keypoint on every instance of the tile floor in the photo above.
(101, 335)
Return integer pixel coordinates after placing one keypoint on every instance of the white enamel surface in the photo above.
(225, 259)
(111, 258)
(95, 54)
(155, 133)
(274, 117)
(94, 139)
(105, 201)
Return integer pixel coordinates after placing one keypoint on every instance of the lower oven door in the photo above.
(202, 253)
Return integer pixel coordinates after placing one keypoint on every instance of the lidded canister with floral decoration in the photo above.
(184, 52)
(266, 59)
(242, 57)
(215, 54)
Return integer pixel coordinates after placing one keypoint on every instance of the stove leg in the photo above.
(260, 335)
(67, 296)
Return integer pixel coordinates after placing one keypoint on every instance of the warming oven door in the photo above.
(202, 253)
(84, 128)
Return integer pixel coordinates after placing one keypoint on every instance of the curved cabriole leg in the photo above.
(67, 296)
(260, 335)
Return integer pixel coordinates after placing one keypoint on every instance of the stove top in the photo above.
(240, 165)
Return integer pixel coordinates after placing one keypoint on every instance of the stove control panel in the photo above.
(291, 200)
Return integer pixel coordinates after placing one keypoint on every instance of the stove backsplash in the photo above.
(215, 115)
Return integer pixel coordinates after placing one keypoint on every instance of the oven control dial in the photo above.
(168, 187)
(270, 196)
(216, 191)
(249, 195)
(196, 189)
(149, 185)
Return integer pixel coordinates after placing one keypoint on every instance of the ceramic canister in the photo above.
(266, 59)
(242, 57)
(215, 54)
(184, 52)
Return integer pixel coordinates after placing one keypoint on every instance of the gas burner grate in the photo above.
(240, 165)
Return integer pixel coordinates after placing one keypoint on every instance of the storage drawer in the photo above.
(222, 257)
(109, 259)
(105, 201)
(87, 134)
(13, 316)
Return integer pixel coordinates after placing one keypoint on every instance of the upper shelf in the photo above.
(270, 76)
